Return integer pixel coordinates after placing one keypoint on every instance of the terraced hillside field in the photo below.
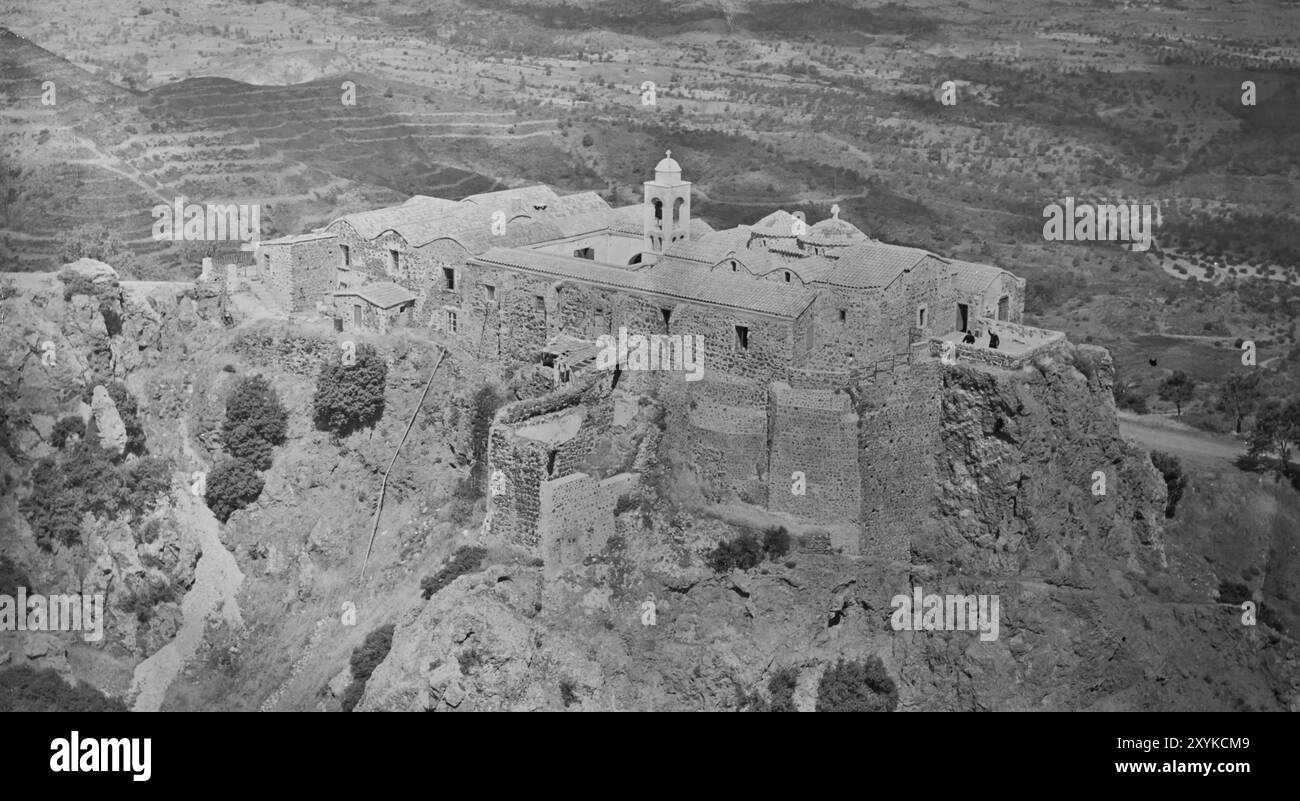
(104, 155)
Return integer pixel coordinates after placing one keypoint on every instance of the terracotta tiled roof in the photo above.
(833, 231)
(289, 240)
(869, 265)
(383, 294)
(713, 247)
(670, 278)
(529, 196)
(972, 278)
(778, 223)
(370, 224)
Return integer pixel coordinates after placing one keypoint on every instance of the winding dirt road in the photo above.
(1161, 433)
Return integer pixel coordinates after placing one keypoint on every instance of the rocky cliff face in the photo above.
(61, 348)
(1017, 513)
(1095, 610)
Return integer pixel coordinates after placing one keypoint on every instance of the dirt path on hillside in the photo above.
(1163, 434)
(216, 583)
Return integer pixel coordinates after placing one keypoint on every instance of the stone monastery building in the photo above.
(512, 273)
(822, 397)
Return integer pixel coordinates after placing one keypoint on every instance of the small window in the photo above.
(733, 267)
(844, 315)
(667, 313)
(920, 317)
(742, 337)
(392, 261)
(787, 276)
(539, 302)
(489, 293)
(449, 277)
(585, 253)
(347, 255)
(451, 321)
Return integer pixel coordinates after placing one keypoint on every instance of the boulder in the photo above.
(112, 431)
(96, 271)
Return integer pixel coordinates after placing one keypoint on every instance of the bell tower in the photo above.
(667, 209)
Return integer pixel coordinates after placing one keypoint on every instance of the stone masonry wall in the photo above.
(898, 439)
(728, 422)
(576, 518)
(299, 273)
(815, 433)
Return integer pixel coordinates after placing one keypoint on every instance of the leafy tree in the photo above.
(255, 422)
(1241, 393)
(1277, 430)
(857, 687)
(349, 398)
(1177, 389)
(72, 425)
(232, 485)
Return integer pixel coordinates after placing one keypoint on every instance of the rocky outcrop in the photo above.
(112, 431)
(1016, 511)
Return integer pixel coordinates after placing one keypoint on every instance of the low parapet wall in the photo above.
(1018, 344)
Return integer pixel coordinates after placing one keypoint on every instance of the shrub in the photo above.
(232, 485)
(857, 687)
(86, 479)
(255, 422)
(781, 686)
(12, 577)
(466, 559)
(1128, 399)
(68, 426)
(373, 650)
(349, 398)
(1269, 617)
(776, 542)
(76, 284)
(48, 510)
(141, 603)
(743, 552)
(1233, 592)
(469, 660)
(1175, 479)
(352, 695)
(482, 411)
(25, 690)
(568, 692)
